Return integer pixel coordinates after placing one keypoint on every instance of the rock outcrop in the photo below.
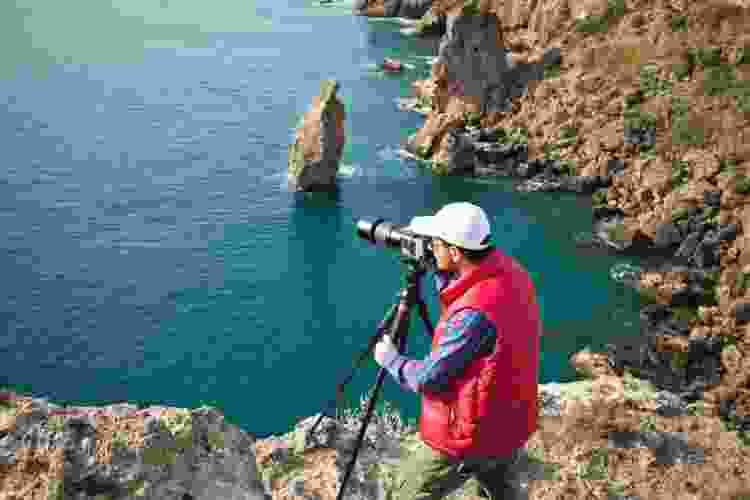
(589, 430)
(315, 154)
(474, 77)
(120, 452)
(410, 9)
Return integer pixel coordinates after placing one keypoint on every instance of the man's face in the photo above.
(445, 255)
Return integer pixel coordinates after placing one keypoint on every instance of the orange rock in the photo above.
(586, 8)
(7, 421)
(668, 343)
(458, 105)
(743, 247)
(375, 8)
(731, 360)
(611, 136)
(649, 221)
(594, 363)
(435, 128)
(657, 176)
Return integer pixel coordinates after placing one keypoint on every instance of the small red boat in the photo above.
(392, 64)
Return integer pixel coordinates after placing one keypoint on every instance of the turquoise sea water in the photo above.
(150, 249)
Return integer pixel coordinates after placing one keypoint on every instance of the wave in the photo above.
(624, 272)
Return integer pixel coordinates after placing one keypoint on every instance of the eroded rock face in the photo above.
(410, 9)
(476, 60)
(314, 156)
(122, 452)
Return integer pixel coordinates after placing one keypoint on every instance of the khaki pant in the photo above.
(430, 475)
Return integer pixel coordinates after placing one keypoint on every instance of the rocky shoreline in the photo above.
(123, 451)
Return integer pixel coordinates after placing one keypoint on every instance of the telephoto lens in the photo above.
(415, 247)
(382, 232)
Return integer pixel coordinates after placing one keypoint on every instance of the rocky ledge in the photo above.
(591, 434)
(611, 435)
(121, 451)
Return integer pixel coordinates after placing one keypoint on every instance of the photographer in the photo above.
(479, 382)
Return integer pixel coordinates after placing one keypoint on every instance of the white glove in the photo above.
(383, 347)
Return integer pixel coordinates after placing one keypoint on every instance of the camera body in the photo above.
(415, 248)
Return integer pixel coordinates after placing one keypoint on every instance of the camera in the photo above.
(416, 248)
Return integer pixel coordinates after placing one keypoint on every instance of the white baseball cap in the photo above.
(461, 224)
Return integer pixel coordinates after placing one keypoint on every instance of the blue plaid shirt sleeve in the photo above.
(467, 332)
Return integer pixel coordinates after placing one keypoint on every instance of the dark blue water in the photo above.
(151, 251)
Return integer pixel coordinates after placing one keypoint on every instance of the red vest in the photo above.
(491, 407)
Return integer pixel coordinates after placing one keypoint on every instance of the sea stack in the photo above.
(314, 156)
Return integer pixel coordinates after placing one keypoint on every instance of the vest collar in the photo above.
(491, 266)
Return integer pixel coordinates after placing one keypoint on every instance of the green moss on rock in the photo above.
(296, 159)
(56, 423)
(216, 440)
(427, 23)
(742, 186)
(55, 489)
(159, 455)
(180, 426)
(137, 488)
(328, 89)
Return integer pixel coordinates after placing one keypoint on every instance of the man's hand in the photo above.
(383, 348)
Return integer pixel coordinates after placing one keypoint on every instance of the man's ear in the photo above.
(454, 253)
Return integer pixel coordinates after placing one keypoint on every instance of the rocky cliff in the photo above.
(602, 437)
(314, 156)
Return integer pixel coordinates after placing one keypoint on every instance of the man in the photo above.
(479, 382)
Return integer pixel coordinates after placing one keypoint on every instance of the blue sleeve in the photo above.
(468, 334)
(442, 279)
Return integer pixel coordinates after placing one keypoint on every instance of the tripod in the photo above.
(396, 322)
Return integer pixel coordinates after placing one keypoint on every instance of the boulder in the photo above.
(460, 153)
(712, 198)
(314, 156)
(615, 166)
(741, 312)
(688, 246)
(728, 232)
(667, 235)
(413, 9)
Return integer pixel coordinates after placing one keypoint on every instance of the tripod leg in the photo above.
(398, 333)
(362, 429)
(425, 318)
(384, 325)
